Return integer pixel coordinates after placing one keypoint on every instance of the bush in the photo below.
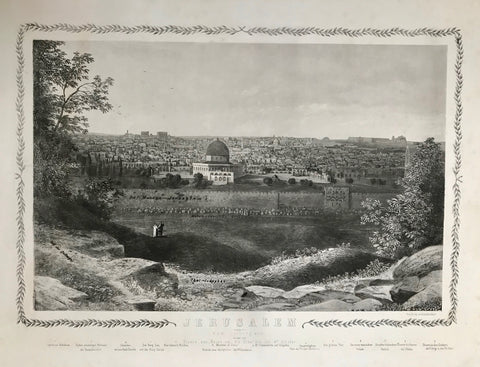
(98, 197)
(268, 181)
(413, 219)
(304, 182)
(199, 181)
(373, 269)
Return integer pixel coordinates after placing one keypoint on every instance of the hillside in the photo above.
(88, 270)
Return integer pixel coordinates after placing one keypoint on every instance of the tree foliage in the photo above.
(199, 181)
(413, 219)
(64, 89)
(62, 92)
(268, 181)
(172, 181)
(98, 196)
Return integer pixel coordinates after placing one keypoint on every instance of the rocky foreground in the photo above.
(87, 270)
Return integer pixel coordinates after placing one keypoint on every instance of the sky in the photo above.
(255, 89)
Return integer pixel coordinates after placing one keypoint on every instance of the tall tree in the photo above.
(414, 218)
(62, 91)
(65, 88)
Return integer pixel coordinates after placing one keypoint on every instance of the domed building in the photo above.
(217, 151)
(217, 166)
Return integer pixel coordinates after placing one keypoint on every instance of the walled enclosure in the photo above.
(335, 198)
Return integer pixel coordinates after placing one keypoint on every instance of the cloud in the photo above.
(252, 91)
(313, 108)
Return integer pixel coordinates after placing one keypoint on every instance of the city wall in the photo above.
(149, 198)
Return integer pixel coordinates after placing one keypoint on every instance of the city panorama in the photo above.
(209, 184)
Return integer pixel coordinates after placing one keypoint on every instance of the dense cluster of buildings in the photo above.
(322, 160)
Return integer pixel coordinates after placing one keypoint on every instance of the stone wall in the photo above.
(335, 198)
(198, 198)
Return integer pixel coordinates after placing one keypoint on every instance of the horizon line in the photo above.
(254, 136)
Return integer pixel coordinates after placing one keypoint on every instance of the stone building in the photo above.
(217, 166)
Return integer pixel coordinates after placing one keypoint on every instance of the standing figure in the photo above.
(155, 230)
(160, 229)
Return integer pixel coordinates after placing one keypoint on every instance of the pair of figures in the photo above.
(158, 230)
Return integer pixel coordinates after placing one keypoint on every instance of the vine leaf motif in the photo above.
(217, 30)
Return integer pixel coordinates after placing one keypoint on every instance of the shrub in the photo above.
(268, 181)
(98, 196)
(374, 268)
(413, 219)
(198, 181)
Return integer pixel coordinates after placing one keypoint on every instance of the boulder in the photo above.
(155, 268)
(142, 304)
(378, 292)
(405, 289)
(231, 305)
(120, 268)
(432, 277)
(349, 298)
(263, 291)
(366, 282)
(51, 295)
(303, 290)
(432, 293)
(368, 304)
(381, 282)
(239, 299)
(331, 305)
(333, 294)
(279, 306)
(420, 263)
(151, 279)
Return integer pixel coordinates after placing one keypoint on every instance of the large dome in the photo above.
(218, 149)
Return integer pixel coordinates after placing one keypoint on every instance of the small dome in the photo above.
(218, 148)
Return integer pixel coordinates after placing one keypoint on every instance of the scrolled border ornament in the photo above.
(232, 30)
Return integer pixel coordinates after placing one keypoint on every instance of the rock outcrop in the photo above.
(432, 293)
(378, 292)
(368, 304)
(421, 263)
(405, 289)
(330, 305)
(419, 285)
(50, 294)
(92, 243)
(78, 270)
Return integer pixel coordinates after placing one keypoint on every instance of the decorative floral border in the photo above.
(200, 29)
